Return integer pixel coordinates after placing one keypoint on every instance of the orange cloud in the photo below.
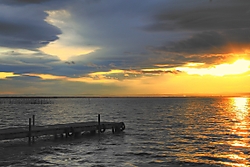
(4, 75)
(47, 76)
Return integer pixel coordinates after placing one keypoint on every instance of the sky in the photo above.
(124, 48)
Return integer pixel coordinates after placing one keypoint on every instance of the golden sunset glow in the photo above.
(106, 73)
(4, 75)
(158, 84)
(238, 67)
(62, 48)
(93, 79)
(99, 79)
(47, 76)
(64, 52)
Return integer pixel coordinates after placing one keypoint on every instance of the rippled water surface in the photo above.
(159, 132)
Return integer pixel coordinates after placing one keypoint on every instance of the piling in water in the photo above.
(33, 123)
(99, 124)
(30, 131)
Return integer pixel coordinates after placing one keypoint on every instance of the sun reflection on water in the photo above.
(240, 131)
(240, 105)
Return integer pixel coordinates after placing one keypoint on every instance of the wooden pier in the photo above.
(60, 130)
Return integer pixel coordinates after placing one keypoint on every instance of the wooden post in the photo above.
(29, 131)
(99, 124)
(33, 123)
(33, 116)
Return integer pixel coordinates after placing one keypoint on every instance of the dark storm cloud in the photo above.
(19, 63)
(34, 85)
(210, 26)
(111, 25)
(200, 43)
(180, 31)
(23, 68)
(204, 16)
(28, 36)
(25, 27)
(210, 42)
(22, 2)
(30, 1)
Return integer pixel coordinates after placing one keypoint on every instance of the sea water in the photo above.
(188, 131)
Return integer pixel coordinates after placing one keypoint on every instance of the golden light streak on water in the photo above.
(239, 109)
(240, 105)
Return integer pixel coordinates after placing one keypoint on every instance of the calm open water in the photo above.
(159, 132)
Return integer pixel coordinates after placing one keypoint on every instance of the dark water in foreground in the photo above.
(159, 132)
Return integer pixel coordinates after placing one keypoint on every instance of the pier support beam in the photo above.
(99, 124)
(33, 123)
(29, 131)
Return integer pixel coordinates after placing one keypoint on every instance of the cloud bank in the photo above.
(117, 40)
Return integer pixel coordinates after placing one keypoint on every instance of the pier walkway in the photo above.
(60, 130)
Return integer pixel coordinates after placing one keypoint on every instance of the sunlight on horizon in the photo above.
(238, 67)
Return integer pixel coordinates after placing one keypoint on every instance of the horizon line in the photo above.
(124, 96)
